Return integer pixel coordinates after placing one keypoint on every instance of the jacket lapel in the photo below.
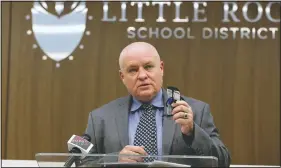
(121, 120)
(168, 128)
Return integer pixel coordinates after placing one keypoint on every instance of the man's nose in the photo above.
(142, 74)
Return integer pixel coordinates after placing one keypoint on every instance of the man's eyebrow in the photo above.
(149, 62)
(131, 66)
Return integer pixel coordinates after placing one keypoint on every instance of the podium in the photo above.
(114, 160)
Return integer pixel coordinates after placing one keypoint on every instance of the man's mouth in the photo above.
(145, 84)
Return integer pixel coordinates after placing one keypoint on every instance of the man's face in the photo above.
(142, 74)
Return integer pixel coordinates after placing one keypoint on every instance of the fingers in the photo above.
(136, 149)
(186, 124)
(127, 160)
(181, 106)
(128, 152)
(180, 102)
(181, 121)
(181, 115)
(132, 150)
(132, 158)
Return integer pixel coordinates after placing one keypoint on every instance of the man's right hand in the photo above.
(132, 150)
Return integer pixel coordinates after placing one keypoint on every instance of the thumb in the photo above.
(144, 150)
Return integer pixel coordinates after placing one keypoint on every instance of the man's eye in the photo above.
(148, 66)
(132, 70)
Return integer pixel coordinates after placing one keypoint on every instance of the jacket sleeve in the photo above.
(91, 131)
(205, 139)
(94, 130)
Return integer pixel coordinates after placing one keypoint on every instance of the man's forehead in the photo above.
(136, 49)
(130, 59)
(138, 52)
(140, 46)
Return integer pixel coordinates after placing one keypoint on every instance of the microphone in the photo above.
(78, 144)
(173, 96)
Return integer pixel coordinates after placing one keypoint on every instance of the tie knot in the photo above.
(147, 107)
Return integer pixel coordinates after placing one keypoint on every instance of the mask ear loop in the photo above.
(170, 101)
(169, 107)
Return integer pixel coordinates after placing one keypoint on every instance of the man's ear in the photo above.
(121, 75)
(162, 67)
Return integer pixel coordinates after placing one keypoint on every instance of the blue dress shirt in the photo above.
(135, 114)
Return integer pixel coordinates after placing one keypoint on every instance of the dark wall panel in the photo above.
(5, 40)
(240, 79)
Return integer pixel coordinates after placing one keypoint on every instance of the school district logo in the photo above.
(58, 36)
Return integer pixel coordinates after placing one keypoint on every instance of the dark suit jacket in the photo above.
(108, 128)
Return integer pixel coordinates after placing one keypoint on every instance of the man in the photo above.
(126, 126)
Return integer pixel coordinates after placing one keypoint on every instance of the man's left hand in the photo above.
(183, 115)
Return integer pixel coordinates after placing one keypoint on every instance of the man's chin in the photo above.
(146, 96)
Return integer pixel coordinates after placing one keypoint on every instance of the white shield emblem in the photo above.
(57, 36)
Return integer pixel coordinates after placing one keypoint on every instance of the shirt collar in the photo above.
(156, 101)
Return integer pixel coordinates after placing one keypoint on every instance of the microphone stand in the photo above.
(73, 159)
(77, 162)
